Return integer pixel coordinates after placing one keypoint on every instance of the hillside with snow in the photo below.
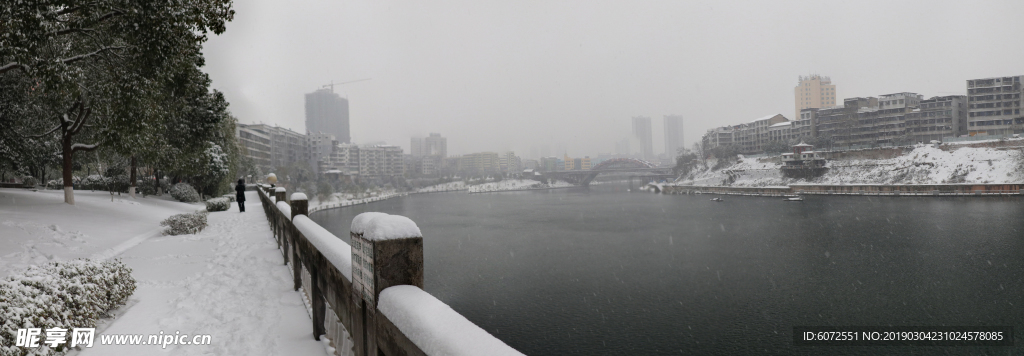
(925, 164)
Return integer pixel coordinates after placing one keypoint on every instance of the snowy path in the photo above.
(227, 281)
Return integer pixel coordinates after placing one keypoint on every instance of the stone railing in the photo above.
(367, 298)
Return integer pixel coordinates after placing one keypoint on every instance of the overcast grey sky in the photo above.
(495, 76)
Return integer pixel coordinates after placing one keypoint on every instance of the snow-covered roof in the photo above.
(787, 123)
(764, 118)
(802, 144)
(333, 171)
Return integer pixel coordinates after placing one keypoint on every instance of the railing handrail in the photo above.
(406, 320)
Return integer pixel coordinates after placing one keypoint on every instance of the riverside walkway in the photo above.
(226, 281)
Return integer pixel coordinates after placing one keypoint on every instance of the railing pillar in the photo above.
(279, 193)
(297, 207)
(380, 259)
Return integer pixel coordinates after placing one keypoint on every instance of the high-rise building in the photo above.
(642, 132)
(814, 91)
(673, 135)
(328, 113)
(416, 147)
(435, 145)
(994, 106)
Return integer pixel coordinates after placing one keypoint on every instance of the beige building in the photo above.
(814, 91)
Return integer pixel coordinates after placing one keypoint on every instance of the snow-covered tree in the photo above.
(97, 67)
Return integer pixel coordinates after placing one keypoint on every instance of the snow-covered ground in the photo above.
(926, 164)
(445, 187)
(228, 281)
(515, 184)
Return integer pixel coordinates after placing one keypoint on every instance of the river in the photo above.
(602, 271)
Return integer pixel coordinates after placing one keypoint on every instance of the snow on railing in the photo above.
(367, 297)
(285, 209)
(333, 248)
(435, 327)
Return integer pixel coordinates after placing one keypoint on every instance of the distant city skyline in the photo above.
(510, 76)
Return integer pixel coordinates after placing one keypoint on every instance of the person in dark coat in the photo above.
(240, 195)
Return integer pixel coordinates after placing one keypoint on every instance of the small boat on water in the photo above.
(716, 199)
(794, 199)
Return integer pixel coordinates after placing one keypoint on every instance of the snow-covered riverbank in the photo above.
(445, 187)
(926, 164)
(516, 184)
(336, 201)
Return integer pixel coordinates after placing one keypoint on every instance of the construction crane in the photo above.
(351, 81)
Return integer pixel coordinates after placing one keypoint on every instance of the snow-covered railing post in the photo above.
(387, 250)
(300, 206)
(279, 193)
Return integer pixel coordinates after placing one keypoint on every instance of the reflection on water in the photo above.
(602, 271)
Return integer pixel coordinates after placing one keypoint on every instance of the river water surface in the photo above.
(602, 271)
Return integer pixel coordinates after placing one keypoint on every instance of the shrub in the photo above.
(146, 187)
(185, 193)
(188, 223)
(69, 294)
(29, 181)
(229, 197)
(218, 204)
(94, 182)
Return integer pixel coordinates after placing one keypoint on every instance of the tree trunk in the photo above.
(69, 192)
(156, 177)
(131, 189)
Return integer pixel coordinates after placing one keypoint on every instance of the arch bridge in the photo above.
(616, 165)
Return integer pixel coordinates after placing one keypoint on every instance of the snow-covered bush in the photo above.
(94, 182)
(184, 192)
(230, 197)
(218, 204)
(145, 186)
(69, 294)
(188, 223)
(29, 181)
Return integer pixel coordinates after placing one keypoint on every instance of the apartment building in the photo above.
(285, 146)
(254, 144)
(380, 162)
(994, 106)
(480, 163)
(938, 117)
